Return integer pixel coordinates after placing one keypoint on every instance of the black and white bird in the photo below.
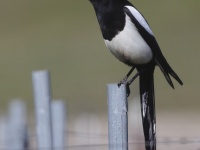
(130, 39)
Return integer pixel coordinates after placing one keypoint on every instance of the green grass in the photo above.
(64, 37)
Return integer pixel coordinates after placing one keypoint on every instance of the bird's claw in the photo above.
(127, 90)
(124, 81)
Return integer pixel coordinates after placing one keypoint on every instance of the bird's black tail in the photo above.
(167, 70)
(148, 108)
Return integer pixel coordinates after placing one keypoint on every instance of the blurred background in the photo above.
(64, 37)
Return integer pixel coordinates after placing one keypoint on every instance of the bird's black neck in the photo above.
(110, 16)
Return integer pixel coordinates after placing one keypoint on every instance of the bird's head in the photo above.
(96, 3)
(100, 5)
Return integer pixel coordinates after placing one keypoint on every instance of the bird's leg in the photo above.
(124, 80)
(135, 76)
(131, 81)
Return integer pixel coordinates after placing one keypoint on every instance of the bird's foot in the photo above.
(124, 81)
(128, 91)
(128, 82)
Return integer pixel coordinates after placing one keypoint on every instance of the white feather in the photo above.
(140, 19)
(129, 46)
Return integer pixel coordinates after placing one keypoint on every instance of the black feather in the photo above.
(158, 56)
(148, 108)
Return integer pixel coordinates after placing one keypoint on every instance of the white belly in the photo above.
(129, 46)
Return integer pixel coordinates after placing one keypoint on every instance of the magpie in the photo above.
(130, 39)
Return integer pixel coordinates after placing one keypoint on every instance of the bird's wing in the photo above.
(139, 18)
(146, 33)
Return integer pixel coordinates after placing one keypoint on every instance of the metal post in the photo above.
(117, 117)
(17, 129)
(4, 136)
(58, 124)
(42, 96)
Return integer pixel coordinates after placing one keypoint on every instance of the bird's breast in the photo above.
(129, 46)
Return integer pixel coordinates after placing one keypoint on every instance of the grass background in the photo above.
(64, 37)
